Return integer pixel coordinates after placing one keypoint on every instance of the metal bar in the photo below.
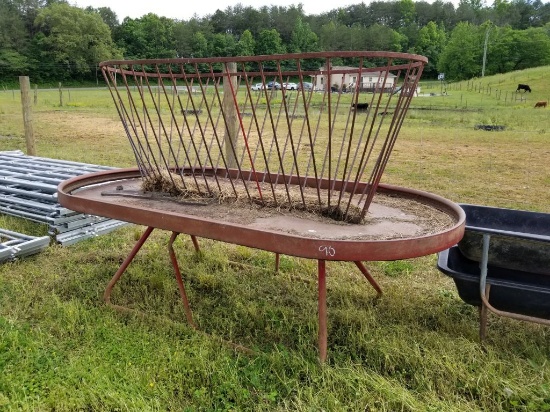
(28, 189)
(369, 277)
(124, 265)
(72, 237)
(18, 245)
(484, 262)
(179, 280)
(322, 309)
(484, 291)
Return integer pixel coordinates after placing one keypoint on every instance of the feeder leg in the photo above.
(322, 302)
(127, 261)
(177, 273)
(195, 243)
(277, 261)
(483, 315)
(483, 286)
(369, 277)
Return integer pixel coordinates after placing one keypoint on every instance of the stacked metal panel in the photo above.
(28, 189)
(15, 245)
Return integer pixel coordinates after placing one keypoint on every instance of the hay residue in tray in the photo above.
(202, 188)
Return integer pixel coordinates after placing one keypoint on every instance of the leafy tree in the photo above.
(303, 39)
(251, 19)
(130, 39)
(73, 40)
(183, 33)
(108, 16)
(199, 45)
(462, 57)
(63, 44)
(542, 16)
(530, 48)
(472, 11)
(220, 21)
(501, 10)
(356, 14)
(269, 42)
(523, 13)
(222, 45)
(329, 36)
(442, 14)
(246, 44)
(14, 41)
(12, 63)
(284, 19)
(431, 42)
(499, 49)
(407, 10)
(385, 14)
(28, 10)
(149, 37)
(378, 37)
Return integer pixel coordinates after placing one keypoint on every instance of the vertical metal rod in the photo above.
(483, 316)
(484, 262)
(277, 261)
(322, 309)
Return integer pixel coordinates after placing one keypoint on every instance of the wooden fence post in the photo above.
(230, 111)
(60, 95)
(35, 94)
(25, 85)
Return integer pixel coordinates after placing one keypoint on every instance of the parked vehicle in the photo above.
(274, 85)
(290, 86)
(305, 86)
(257, 86)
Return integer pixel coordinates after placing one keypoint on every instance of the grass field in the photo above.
(414, 349)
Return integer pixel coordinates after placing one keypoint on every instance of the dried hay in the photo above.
(221, 190)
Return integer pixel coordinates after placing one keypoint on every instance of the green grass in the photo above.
(414, 349)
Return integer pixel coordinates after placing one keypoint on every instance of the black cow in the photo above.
(523, 87)
(359, 106)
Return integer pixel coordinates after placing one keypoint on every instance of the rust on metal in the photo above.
(237, 117)
(226, 150)
(391, 231)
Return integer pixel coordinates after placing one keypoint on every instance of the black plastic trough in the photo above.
(511, 290)
(512, 277)
(519, 239)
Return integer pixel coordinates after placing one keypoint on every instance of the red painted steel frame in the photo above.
(73, 195)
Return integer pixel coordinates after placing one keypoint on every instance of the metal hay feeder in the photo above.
(225, 151)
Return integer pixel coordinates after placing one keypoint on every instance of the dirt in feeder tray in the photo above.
(279, 197)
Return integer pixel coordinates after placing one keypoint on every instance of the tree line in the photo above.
(51, 40)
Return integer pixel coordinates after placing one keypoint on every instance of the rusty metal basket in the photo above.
(294, 131)
(309, 134)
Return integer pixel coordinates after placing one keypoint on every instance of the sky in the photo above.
(185, 9)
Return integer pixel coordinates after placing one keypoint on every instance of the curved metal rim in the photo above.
(278, 242)
(312, 55)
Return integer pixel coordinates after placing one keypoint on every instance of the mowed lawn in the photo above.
(414, 349)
